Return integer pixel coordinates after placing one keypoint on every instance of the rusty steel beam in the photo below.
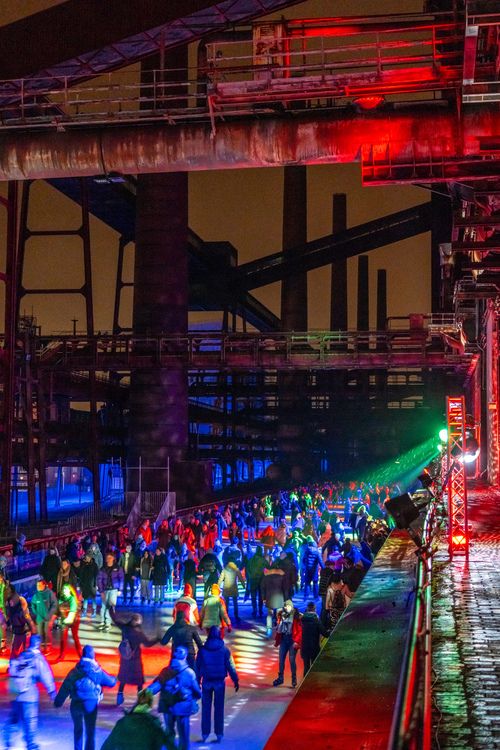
(273, 141)
(411, 136)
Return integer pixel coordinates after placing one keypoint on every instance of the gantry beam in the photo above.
(347, 244)
(79, 40)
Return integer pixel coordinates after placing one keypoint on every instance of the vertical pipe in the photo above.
(10, 343)
(363, 294)
(294, 288)
(89, 317)
(338, 308)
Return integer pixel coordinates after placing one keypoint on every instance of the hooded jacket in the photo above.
(228, 579)
(312, 557)
(214, 661)
(74, 687)
(177, 678)
(214, 612)
(37, 670)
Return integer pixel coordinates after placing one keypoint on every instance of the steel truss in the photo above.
(458, 529)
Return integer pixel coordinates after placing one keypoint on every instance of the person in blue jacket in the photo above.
(179, 691)
(213, 663)
(311, 562)
(83, 685)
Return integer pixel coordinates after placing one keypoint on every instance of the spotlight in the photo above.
(403, 510)
(443, 435)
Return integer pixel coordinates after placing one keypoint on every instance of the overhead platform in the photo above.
(349, 696)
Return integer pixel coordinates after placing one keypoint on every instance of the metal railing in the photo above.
(309, 70)
(205, 349)
(412, 719)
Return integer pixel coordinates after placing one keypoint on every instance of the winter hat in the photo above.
(188, 589)
(35, 641)
(88, 652)
(214, 632)
(215, 590)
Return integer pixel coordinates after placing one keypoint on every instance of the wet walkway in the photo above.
(466, 635)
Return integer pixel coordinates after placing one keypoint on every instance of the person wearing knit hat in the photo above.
(214, 611)
(288, 640)
(83, 685)
(25, 671)
(179, 691)
(187, 604)
(213, 663)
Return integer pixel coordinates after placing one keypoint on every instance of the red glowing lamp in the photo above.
(459, 540)
(369, 102)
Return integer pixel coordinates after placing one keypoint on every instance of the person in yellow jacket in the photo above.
(228, 582)
(214, 611)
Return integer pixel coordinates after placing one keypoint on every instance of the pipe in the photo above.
(310, 139)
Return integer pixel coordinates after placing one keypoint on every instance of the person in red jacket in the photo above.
(288, 640)
(145, 531)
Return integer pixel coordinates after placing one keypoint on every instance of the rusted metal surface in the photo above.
(348, 697)
(336, 138)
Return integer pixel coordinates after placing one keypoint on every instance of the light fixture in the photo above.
(368, 102)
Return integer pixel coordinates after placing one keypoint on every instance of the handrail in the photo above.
(412, 718)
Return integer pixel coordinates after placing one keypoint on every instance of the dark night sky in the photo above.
(243, 207)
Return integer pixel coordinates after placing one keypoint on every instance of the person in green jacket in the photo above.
(44, 610)
(139, 729)
(3, 615)
(214, 611)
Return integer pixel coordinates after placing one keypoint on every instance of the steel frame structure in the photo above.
(458, 529)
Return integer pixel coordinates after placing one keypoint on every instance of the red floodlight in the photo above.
(367, 103)
(458, 535)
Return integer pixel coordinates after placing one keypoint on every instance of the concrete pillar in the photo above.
(338, 309)
(294, 288)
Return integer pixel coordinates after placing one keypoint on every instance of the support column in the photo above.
(381, 299)
(338, 308)
(363, 303)
(441, 229)
(159, 397)
(294, 288)
(293, 316)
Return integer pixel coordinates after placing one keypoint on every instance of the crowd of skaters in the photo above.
(314, 543)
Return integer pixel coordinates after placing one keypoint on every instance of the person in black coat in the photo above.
(131, 671)
(159, 575)
(87, 578)
(181, 633)
(312, 630)
(49, 568)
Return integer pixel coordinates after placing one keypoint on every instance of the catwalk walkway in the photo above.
(466, 635)
(250, 715)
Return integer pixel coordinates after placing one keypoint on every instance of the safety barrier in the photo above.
(412, 719)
